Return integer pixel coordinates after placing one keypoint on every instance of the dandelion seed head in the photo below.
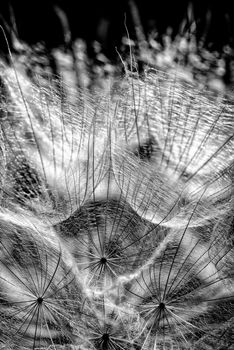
(116, 214)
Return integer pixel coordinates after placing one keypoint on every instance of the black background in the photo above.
(103, 20)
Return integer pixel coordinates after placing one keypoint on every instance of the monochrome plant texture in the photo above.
(116, 214)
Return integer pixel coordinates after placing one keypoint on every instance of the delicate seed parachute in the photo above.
(40, 292)
(116, 215)
(180, 141)
(109, 241)
(107, 326)
(177, 294)
(49, 148)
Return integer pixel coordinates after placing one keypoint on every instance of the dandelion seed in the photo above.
(176, 296)
(109, 240)
(107, 326)
(173, 149)
(54, 152)
(40, 293)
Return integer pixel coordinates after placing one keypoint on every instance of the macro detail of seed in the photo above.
(41, 296)
(191, 156)
(116, 214)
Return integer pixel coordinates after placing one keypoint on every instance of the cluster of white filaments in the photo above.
(116, 228)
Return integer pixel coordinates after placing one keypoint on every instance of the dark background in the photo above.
(103, 20)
